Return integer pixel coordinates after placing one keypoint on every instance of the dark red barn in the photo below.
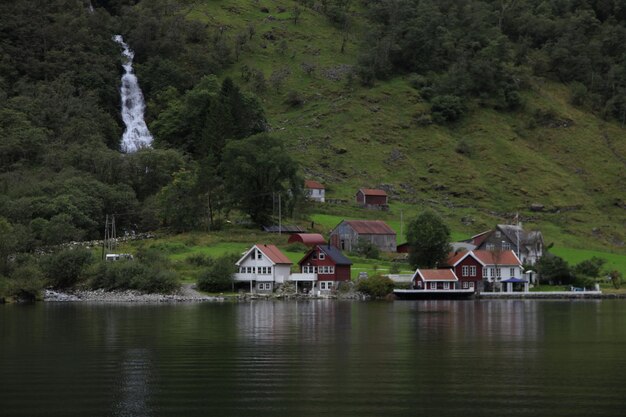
(371, 197)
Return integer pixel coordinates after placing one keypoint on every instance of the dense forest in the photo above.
(61, 170)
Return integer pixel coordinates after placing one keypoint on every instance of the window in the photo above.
(465, 270)
(465, 285)
(326, 270)
(446, 285)
(498, 233)
(326, 285)
(491, 246)
(264, 286)
(472, 271)
(433, 285)
(322, 256)
(309, 269)
(471, 284)
(506, 246)
(492, 272)
(512, 272)
(485, 272)
(498, 272)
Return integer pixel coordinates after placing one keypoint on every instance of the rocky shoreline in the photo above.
(102, 296)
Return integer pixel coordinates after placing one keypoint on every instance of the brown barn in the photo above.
(371, 197)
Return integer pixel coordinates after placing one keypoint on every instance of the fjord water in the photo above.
(311, 358)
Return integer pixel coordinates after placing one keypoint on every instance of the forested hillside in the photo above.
(478, 109)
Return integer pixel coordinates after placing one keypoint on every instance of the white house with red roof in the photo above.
(264, 267)
(314, 191)
(498, 266)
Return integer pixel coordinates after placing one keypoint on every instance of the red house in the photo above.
(328, 263)
(435, 279)
(467, 267)
(371, 197)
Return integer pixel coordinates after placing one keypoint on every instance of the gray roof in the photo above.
(285, 228)
(335, 254)
(511, 230)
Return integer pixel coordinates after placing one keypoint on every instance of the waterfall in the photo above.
(137, 135)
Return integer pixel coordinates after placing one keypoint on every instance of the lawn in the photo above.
(575, 256)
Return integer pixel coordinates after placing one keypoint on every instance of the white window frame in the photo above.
(321, 256)
(464, 270)
(465, 285)
(499, 273)
(485, 272)
(506, 246)
(512, 272)
(446, 285)
(432, 285)
(472, 271)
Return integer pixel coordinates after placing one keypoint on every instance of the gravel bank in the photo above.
(185, 295)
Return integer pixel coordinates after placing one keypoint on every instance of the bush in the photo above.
(616, 279)
(367, 249)
(66, 268)
(395, 268)
(294, 99)
(219, 276)
(584, 282)
(447, 108)
(375, 286)
(133, 275)
(25, 283)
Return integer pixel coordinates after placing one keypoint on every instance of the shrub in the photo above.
(447, 108)
(395, 268)
(25, 283)
(463, 147)
(584, 282)
(294, 99)
(367, 249)
(66, 268)
(219, 276)
(616, 279)
(133, 275)
(375, 286)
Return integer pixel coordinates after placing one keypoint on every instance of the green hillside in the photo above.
(476, 172)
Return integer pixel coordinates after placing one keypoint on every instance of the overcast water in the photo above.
(313, 358)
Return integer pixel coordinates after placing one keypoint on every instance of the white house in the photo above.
(263, 266)
(314, 191)
(498, 266)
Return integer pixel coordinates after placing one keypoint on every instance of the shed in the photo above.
(371, 197)
(315, 191)
(308, 239)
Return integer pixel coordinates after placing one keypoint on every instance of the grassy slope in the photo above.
(579, 170)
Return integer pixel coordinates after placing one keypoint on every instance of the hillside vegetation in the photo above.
(478, 109)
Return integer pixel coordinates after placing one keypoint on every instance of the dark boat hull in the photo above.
(433, 295)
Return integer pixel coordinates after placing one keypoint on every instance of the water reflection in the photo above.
(134, 384)
(310, 358)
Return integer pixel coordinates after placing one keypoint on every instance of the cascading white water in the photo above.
(137, 135)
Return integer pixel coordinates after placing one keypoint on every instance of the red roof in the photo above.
(480, 238)
(309, 239)
(370, 227)
(313, 185)
(274, 254)
(436, 274)
(488, 257)
(373, 191)
(453, 258)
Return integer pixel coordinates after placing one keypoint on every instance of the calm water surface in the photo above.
(422, 358)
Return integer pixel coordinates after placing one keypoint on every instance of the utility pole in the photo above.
(280, 223)
(401, 227)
